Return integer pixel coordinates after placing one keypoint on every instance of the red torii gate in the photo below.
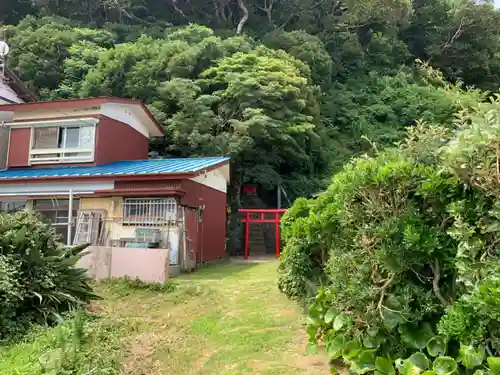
(262, 219)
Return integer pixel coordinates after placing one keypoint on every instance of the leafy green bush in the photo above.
(412, 276)
(300, 262)
(38, 280)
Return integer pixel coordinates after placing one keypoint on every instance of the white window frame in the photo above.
(64, 154)
(153, 211)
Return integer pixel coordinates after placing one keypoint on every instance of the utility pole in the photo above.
(279, 196)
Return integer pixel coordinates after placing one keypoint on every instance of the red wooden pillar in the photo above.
(247, 233)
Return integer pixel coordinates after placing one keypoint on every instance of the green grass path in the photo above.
(227, 319)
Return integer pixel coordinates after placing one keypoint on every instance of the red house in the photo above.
(83, 165)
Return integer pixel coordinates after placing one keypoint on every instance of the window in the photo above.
(56, 211)
(149, 211)
(62, 144)
(11, 206)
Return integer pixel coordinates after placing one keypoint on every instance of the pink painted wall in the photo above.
(149, 265)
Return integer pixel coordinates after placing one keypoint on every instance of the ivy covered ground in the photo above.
(226, 319)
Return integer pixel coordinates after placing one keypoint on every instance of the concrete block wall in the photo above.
(148, 265)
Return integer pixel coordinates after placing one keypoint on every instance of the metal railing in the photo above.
(149, 211)
(61, 155)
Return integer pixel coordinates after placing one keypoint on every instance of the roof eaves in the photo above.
(55, 103)
(19, 87)
(153, 119)
(121, 177)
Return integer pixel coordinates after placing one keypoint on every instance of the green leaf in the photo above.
(330, 314)
(408, 368)
(384, 366)
(494, 365)
(373, 331)
(38, 295)
(372, 342)
(471, 357)
(311, 332)
(429, 372)
(437, 345)
(365, 362)
(420, 360)
(392, 319)
(312, 348)
(445, 366)
(416, 337)
(352, 349)
(335, 347)
(339, 322)
(313, 321)
(314, 311)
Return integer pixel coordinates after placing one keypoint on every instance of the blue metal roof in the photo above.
(120, 168)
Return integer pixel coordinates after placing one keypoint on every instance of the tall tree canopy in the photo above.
(289, 89)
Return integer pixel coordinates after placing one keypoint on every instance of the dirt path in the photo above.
(226, 319)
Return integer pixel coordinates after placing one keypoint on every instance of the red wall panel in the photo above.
(19, 147)
(212, 230)
(117, 141)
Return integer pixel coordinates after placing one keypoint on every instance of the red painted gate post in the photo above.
(277, 234)
(247, 233)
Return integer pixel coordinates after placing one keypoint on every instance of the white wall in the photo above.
(122, 112)
(214, 179)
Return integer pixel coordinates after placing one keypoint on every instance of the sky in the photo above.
(497, 3)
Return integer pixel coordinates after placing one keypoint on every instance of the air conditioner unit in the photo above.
(147, 235)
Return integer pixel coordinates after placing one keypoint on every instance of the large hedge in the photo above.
(38, 280)
(412, 279)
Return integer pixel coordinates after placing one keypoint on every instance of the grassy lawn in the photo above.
(226, 319)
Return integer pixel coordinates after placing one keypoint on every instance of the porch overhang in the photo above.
(38, 189)
(139, 192)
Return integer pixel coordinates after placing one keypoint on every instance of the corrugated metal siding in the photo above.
(121, 168)
(212, 230)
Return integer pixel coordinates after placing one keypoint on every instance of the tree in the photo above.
(460, 38)
(13, 11)
(217, 96)
(257, 106)
(380, 107)
(41, 45)
(307, 48)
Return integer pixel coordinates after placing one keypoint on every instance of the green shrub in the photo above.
(412, 281)
(300, 262)
(38, 280)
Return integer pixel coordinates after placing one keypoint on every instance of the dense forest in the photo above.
(289, 89)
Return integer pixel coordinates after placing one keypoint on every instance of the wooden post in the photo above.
(279, 196)
(247, 233)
